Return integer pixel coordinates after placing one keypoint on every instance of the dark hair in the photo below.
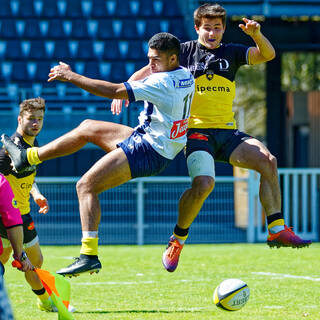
(210, 11)
(165, 42)
(32, 105)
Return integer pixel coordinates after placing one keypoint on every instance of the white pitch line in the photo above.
(283, 275)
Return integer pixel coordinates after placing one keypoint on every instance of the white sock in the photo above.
(89, 234)
(276, 229)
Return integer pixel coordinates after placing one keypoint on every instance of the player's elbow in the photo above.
(271, 56)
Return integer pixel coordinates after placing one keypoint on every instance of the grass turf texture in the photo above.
(133, 284)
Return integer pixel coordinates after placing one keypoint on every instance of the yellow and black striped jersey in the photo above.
(21, 183)
(214, 71)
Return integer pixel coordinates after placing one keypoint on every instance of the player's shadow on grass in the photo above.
(141, 311)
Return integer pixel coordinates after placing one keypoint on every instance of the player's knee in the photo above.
(83, 186)
(268, 165)
(37, 261)
(202, 186)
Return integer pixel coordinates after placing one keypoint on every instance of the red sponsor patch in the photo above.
(179, 129)
(198, 136)
(31, 226)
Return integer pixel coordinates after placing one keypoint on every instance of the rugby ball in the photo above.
(231, 294)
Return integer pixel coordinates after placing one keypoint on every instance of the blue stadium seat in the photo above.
(26, 9)
(38, 7)
(105, 70)
(43, 69)
(25, 48)
(31, 69)
(92, 70)
(117, 27)
(92, 28)
(123, 48)
(6, 70)
(20, 27)
(86, 6)
(19, 71)
(49, 47)
(131, 29)
(122, 9)
(158, 7)
(55, 29)
(105, 30)
(3, 48)
(79, 29)
(67, 26)
(176, 27)
(43, 27)
(61, 50)
(47, 9)
(5, 11)
(74, 9)
(118, 72)
(111, 50)
(79, 67)
(98, 48)
(171, 8)
(37, 89)
(135, 50)
(73, 46)
(14, 6)
(14, 49)
(32, 29)
(156, 25)
(146, 9)
(140, 27)
(103, 9)
(85, 50)
(8, 28)
(37, 50)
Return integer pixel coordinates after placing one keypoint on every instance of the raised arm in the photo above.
(263, 51)
(97, 87)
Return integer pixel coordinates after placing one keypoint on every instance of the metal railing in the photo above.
(144, 210)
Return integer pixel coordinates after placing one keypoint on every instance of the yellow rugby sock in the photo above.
(89, 246)
(32, 155)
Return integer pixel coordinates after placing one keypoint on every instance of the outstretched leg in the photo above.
(106, 135)
(110, 171)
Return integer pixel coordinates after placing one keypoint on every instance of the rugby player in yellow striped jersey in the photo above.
(30, 121)
(212, 130)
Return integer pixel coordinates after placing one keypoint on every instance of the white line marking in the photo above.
(283, 275)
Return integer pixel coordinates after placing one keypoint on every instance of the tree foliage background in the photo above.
(300, 72)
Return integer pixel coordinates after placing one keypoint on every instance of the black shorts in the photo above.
(29, 230)
(220, 143)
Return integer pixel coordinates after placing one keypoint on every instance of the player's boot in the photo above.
(286, 238)
(47, 305)
(170, 257)
(17, 154)
(82, 264)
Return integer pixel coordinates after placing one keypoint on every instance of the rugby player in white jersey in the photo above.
(131, 152)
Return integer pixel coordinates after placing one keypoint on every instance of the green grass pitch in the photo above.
(284, 283)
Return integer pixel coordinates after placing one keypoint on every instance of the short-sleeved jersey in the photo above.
(167, 97)
(214, 71)
(21, 183)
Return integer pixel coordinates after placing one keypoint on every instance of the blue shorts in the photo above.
(143, 160)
